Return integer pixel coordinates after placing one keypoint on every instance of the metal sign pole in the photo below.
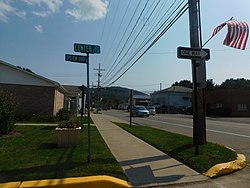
(130, 107)
(88, 49)
(88, 100)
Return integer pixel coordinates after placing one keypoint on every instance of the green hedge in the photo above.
(7, 114)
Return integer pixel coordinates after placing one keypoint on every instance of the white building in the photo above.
(173, 98)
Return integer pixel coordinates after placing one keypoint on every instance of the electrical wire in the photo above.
(131, 32)
(136, 36)
(181, 12)
(148, 39)
(114, 39)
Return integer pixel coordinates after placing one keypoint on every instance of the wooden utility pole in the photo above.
(98, 86)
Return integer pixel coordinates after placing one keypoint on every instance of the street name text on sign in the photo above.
(76, 58)
(87, 48)
(192, 53)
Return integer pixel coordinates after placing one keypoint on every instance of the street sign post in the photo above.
(193, 53)
(76, 58)
(87, 48)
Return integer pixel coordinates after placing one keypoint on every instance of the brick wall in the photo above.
(229, 99)
(31, 99)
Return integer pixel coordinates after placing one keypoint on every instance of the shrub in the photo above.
(63, 115)
(73, 122)
(7, 114)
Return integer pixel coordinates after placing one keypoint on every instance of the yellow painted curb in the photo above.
(10, 185)
(79, 182)
(229, 167)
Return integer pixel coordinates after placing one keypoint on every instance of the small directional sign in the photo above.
(87, 48)
(192, 53)
(76, 58)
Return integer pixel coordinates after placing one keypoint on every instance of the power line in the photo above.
(137, 36)
(125, 31)
(131, 32)
(121, 22)
(181, 12)
(146, 40)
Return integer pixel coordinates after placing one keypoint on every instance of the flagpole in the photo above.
(207, 41)
(213, 36)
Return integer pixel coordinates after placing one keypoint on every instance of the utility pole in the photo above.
(198, 98)
(98, 86)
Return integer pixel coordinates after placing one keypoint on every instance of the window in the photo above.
(242, 107)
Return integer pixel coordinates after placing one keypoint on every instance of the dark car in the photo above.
(140, 111)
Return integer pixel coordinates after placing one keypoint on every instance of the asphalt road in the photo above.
(231, 132)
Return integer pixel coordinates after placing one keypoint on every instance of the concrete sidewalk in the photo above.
(143, 164)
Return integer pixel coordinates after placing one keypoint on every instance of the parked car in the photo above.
(140, 111)
(151, 110)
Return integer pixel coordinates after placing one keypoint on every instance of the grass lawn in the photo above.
(33, 154)
(85, 120)
(181, 148)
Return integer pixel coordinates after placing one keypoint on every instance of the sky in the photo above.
(36, 34)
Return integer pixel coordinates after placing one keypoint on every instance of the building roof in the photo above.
(54, 83)
(72, 89)
(176, 89)
(145, 97)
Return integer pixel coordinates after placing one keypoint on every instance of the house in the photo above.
(73, 98)
(123, 106)
(173, 99)
(228, 102)
(33, 93)
(143, 100)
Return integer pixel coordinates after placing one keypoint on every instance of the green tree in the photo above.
(210, 85)
(235, 83)
(184, 83)
(7, 114)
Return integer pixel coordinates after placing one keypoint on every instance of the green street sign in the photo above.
(87, 48)
(76, 58)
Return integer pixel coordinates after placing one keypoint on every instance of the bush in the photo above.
(63, 115)
(71, 123)
(7, 114)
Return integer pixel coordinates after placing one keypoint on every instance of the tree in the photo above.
(25, 69)
(235, 83)
(184, 83)
(7, 114)
(210, 84)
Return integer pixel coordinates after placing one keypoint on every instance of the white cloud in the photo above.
(21, 13)
(51, 6)
(39, 28)
(88, 9)
(81, 9)
(6, 9)
(42, 14)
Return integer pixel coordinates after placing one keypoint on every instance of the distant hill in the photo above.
(112, 96)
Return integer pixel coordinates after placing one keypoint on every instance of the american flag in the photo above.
(217, 29)
(237, 34)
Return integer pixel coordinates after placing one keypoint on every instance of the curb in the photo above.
(226, 168)
(83, 182)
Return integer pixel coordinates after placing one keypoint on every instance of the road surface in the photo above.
(231, 132)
